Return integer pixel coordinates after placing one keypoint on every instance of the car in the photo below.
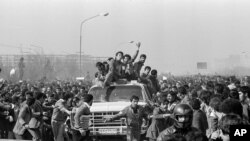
(111, 100)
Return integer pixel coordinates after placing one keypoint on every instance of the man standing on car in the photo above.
(134, 114)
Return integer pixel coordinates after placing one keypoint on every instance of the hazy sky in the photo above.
(175, 34)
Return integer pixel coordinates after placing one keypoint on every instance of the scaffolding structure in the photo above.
(50, 66)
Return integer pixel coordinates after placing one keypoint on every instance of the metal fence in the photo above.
(52, 67)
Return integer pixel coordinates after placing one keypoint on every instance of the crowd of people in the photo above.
(190, 108)
(39, 110)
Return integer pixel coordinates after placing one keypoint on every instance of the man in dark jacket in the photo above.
(115, 69)
(128, 67)
(138, 65)
(154, 81)
(199, 117)
(36, 121)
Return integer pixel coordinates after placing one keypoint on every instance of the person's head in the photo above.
(49, 89)
(40, 96)
(51, 98)
(171, 96)
(68, 99)
(15, 99)
(77, 101)
(30, 101)
(183, 115)
(193, 94)
(181, 92)
(231, 106)
(174, 89)
(126, 58)
(28, 94)
(118, 55)
(43, 90)
(162, 97)
(218, 89)
(88, 98)
(142, 58)
(205, 96)
(154, 72)
(234, 94)
(74, 88)
(110, 59)
(134, 101)
(99, 66)
(215, 103)
(32, 89)
(105, 65)
(243, 93)
(82, 90)
(58, 90)
(195, 103)
(225, 123)
(178, 84)
(147, 70)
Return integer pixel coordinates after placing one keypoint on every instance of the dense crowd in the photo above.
(187, 108)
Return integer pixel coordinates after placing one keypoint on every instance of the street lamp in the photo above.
(101, 14)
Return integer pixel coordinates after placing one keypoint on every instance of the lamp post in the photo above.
(101, 14)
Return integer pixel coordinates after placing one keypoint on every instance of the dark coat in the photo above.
(114, 73)
(137, 68)
(173, 130)
(159, 123)
(37, 114)
(200, 121)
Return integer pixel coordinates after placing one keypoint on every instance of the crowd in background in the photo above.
(192, 108)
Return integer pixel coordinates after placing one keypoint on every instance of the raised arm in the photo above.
(136, 53)
(5, 106)
(62, 108)
(117, 116)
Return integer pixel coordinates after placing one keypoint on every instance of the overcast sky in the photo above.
(175, 34)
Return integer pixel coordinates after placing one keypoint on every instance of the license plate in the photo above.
(107, 131)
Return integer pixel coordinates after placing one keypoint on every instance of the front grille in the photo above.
(99, 127)
(97, 120)
(117, 127)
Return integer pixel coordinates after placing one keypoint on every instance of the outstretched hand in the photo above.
(26, 126)
(83, 132)
(107, 120)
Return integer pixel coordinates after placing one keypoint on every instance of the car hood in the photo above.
(110, 106)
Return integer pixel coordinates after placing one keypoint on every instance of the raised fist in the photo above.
(138, 44)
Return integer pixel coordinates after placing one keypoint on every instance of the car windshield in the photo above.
(116, 93)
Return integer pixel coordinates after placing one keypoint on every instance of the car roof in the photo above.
(130, 83)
